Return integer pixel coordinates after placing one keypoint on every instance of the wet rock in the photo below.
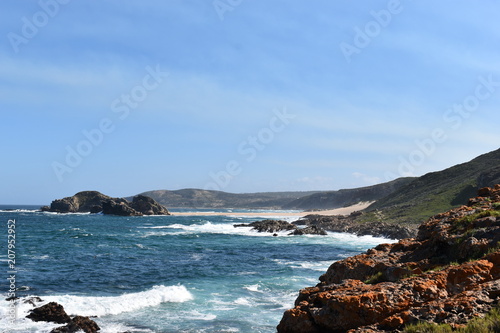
(348, 224)
(76, 324)
(271, 226)
(51, 312)
(33, 300)
(312, 230)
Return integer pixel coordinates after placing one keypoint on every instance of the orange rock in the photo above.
(342, 302)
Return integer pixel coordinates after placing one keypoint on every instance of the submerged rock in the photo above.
(449, 273)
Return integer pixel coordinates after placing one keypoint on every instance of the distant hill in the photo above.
(196, 198)
(437, 191)
(347, 197)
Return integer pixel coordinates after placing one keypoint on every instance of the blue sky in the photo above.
(241, 95)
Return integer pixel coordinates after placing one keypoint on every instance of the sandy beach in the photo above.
(338, 211)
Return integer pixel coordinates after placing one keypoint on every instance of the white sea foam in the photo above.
(62, 214)
(101, 306)
(98, 306)
(19, 210)
(319, 266)
(207, 227)
(243, 301)
(253, 287)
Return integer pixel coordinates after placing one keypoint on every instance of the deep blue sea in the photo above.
(162, 273)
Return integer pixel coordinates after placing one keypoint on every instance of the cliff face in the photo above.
(449, 273)
(95, 202)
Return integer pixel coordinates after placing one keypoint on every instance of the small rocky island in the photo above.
(96, 202)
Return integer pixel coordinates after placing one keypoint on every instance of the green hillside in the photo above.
(347, 197)
(437, 191)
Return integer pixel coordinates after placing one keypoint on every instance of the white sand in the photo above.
(338, 211)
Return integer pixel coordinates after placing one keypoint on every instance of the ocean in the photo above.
(161, 273)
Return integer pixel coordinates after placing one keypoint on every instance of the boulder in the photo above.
(50, 312)
(271, 226)
(76, 324)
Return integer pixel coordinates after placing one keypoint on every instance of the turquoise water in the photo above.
(163, 273)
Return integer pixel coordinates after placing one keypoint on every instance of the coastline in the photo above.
(331, 212)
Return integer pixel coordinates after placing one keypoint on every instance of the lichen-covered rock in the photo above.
(449, 273)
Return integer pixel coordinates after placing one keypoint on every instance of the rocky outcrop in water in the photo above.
(348, 224)
(54, 312)
(50, 312)
(78, 324)
(320, 224)
(269, 226)
(312, 230)
(95, 202)
(449, 273)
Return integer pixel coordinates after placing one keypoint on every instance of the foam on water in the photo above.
(102, 306)
(207, 228)
(94, 306)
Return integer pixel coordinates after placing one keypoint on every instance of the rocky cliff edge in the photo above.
(449, 273)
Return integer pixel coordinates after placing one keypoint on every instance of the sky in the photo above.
(241, 95)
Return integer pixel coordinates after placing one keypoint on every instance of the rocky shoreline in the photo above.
(320, 225)
(96, 202)
(449, 274)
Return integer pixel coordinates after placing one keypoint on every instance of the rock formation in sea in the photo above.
(268, 226)
(54, 312)
(95, 202)
(349, 224)
(449, 273)
(320, 224)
